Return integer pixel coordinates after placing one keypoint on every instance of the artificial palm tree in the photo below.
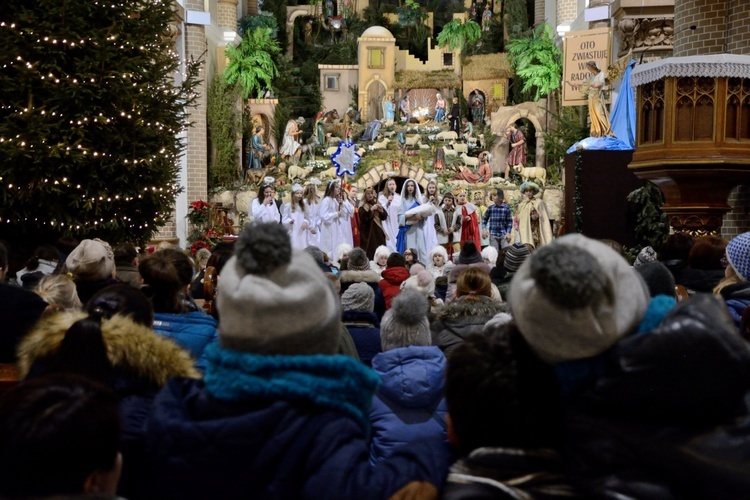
(537, 61)
(455, 34)
(251, 62)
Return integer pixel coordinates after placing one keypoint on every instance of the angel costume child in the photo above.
(469, 220)
(533, 221)
(312, 207)
(263, 208)
(411, 220)
(431, 197)
(335, 212)
(391, 201)
(295, 219)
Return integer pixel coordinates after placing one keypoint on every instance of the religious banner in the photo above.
(579, 48)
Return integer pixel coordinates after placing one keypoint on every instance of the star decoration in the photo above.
(346, 158)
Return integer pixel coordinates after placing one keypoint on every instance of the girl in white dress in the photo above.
(263, 208)
(430, 235)
(312, 205)
(391, 201)
(335, 212)
(294, 217)
(411, 229)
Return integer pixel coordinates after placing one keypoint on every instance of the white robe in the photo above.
(312, 209)
(264, 213)
(335, 227)
(430, 234)
(390, 225)
(297, 224)
(289, 146)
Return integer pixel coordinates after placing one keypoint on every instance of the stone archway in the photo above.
(293, 13)
(535, 112)
(373, 94)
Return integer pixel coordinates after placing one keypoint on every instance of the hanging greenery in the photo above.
(456, 34)
(251, 62)
(652, 227)
(536, 60)
(224, 128)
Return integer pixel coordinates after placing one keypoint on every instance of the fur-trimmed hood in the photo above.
(130, 346)
(461, 308)
(359, 276)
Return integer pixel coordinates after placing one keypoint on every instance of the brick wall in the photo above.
(738, 39)
(567, 10)
(252, 7)
(737, 221)
(227, 14)
(710, 19)
(539, 12)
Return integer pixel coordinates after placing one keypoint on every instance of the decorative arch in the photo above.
(535, 113)
(292, 13)
(365, 107)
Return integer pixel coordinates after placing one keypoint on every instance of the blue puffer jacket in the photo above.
(193, 331)
(275, 427)
(410, 403)
(364, 327)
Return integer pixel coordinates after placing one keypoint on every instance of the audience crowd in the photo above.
(412, 364)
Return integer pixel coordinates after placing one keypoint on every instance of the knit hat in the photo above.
(738, 255)
(490, 253)
(358, 297)
(405, 323)
(514, 257)
(91, 260)
(574, 298)
(358, 260)
(273, 300)
(469, 254)
(646, 255)
(423, 282)
(658, 278)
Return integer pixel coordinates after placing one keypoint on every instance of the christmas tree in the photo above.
(89, 119)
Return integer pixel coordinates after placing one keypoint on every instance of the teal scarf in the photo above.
(337, 382)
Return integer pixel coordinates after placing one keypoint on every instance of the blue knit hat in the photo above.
(738, 255)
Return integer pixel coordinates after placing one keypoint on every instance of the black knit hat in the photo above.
(514, 257)
(469, 254)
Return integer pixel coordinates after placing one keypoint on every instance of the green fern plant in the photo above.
(455, 34)
(251, 63)
(537, 61)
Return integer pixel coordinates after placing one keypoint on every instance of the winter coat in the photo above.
(372, 278)
(275, 427)
(669, 417)
(193, 331)
(364, 328)
(507, 473)
(410, 403)
(390, 285)
(459, 319)
(700, 280)
(19, 310)
(737, 298)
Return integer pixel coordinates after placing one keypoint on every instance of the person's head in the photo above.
(500, 395)
(647, 254)
(410, 189)
(464, 121)
(390, 187)
(499, 197)
(431, 188)
(59, 435)
(438, 95)
(515, 255)
(259, 129)
(708, 252)
(676, 247)
(43, 252)
(381, 255)
(421, 281)
(469, 254)
(574, 298)
(511, 127)
(358, 297)
(91, 260)
(448, 201)
(405, 323)
(358, 260)
(455, 100)
(529, 189)
(592, 67)
(121, 299)
(265, 191)
(473, 283)
(341, 253)
(438, 256)
(354, 192)
(489, 255)
(125, 254)
(410, 256)
(370, 196)
(166, 274)
(332, 189)
(297, 195)
(59, 290)
(658, 278)
(738, 256)
(461, 197)
(300, 120)
(396, 260)
(265, 281)
(310, 193)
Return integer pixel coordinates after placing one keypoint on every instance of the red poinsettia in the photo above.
(199, 205)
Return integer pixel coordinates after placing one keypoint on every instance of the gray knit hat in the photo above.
(646, 255)
(658, 278)
(405, 323)
(91, 260)
(575, 298)
(358, 260)
(358, 297)
(273, 300)
(514, 257)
